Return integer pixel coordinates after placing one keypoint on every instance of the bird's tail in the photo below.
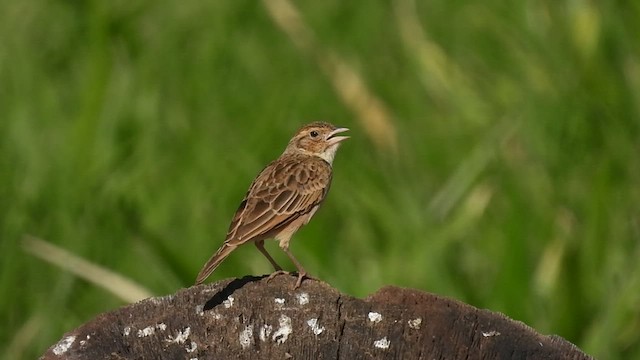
(214, 261)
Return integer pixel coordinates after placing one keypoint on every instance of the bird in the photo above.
(283, 197)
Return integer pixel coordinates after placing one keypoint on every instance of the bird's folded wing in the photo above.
(284, 191)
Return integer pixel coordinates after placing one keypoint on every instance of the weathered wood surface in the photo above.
(251, 318)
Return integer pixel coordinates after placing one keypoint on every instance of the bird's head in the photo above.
(317, 139)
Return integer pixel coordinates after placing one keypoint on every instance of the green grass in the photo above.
(129, 132)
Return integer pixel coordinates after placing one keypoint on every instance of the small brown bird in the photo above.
(284, 196)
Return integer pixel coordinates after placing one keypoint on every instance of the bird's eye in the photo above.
(313, 133)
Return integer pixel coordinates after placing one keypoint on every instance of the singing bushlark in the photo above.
(284, 196)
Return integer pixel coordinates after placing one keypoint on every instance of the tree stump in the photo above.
(252, 318)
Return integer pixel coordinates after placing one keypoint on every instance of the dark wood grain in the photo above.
(251, 318)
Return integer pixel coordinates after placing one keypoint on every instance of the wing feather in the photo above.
(286, 189)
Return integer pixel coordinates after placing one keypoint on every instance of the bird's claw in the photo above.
(301, 277)
(276, 273)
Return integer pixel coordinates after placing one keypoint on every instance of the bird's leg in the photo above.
(277, 269)
(260, 246)
(302, 273)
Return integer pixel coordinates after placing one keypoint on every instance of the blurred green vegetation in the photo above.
(130, 131)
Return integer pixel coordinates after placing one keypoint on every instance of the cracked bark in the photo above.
(251, 318)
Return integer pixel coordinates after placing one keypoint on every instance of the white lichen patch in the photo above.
(265, 331)
(126, 331)
(200, 310)
(181, 337)
(216, 316)
(375, 317)
(246, 337)
(84, 342)
(150, 330)
(228, 302)
(282, 334)
(313, 324)
(382, 343)
(192, 347)
(490, 333)
(415, 323)
(303, 298)
(279, 302)
(63, 345)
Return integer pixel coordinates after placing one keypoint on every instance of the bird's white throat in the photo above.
(330, 153)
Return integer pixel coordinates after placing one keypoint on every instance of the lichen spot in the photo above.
(63, 345)
(490, 333)
(246, 337)
(313, 324)
(181, 337)
(303, 298)
(375, 317)
(149, 330)
(84, 342)
(126, 331)
(228, 302)
(265, 331)
(279, 302)
(382, 343)
(192, 347)
(415, 323)
(282, 334)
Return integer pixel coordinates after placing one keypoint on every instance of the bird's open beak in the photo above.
(333, 139)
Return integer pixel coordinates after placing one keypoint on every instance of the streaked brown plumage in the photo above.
(284, 196)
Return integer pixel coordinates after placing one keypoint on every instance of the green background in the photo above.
(507, 176)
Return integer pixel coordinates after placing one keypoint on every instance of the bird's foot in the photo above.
(301, 277)
(276, 273)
